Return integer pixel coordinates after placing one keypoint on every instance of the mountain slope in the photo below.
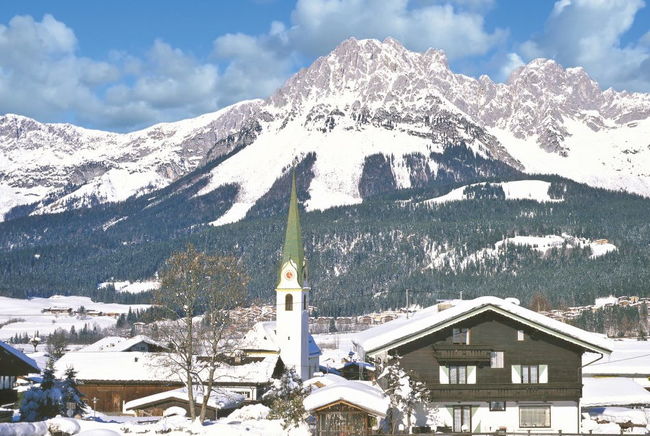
(370, 117)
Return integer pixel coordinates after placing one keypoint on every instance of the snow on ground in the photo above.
(45, 323)
(177, 426)
(131, 287)
(540, 244)
(536, 190)
(11, 197)
(336, 180)
(599, 159)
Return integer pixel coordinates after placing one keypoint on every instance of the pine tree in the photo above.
(71, 394)
(44, 402)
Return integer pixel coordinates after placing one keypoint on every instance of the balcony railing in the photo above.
(462, 353)
(506, 391)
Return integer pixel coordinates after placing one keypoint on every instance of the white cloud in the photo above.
(512, 62)
(588, 33)
(319, 25)
(42, 74)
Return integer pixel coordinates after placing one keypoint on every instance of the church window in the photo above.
(288, 302)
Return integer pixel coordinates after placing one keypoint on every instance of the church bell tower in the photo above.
(292, 295)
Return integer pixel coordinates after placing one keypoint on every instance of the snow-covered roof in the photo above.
(431, 319)
(29, 362)
(117, 343)
(104, 344)
(98, 365)
(613, 391)
(219, 398)
(355, 393)
(262, 337)
(136, 366)
(628, 358)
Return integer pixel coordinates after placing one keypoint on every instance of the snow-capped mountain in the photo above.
(368, 111)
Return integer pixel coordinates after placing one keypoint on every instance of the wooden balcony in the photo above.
(507, 392)
(462, 353)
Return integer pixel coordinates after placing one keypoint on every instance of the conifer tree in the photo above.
(285, 399)
(71, 394)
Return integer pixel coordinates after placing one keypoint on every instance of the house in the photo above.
(288, 336)
(220, 403)
(116, 343)
(109, 380)
(13, 363)
(629, 359)
(344, 407)
(491, 364)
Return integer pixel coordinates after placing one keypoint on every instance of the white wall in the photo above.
(564, 416)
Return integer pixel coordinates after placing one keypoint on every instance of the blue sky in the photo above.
(122, 65)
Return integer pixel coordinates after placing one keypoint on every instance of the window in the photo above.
(529, 373)
(520, 335)
(534, 416)
(462, 419)
(457, 375)
(496, 359)
(460, 336)
(304, 302)
(288, 302)
(7, 382)
(497, 406)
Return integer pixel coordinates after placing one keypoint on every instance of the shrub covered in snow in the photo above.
(253, 412)
(285, 399)
(52, 397)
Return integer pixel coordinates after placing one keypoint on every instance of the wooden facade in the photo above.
(492, 332)
(157, 408)
(112, 395)
(342, 419)
(12, 366)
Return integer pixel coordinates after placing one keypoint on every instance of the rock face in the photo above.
(371, 117)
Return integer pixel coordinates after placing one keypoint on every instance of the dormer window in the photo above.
(288, 302)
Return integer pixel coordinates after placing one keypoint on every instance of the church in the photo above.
(288, 336)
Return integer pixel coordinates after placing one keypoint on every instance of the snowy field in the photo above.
(131, 287)
(536, 190)
(540, 244)
(33, 319)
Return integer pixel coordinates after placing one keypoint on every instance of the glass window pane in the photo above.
(458, 419)
(524, 374)
(462, 374)
(533, 374)
(453, 375)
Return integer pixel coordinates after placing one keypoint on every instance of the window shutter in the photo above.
(444, 375)
(471, 375)
(543, 373)
(516, 373)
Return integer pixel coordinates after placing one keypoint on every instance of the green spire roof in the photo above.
(293, 248)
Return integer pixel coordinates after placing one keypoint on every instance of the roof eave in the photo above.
(475, 311)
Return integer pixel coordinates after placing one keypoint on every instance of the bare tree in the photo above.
(193, 283)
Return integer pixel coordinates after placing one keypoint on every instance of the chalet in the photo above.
(220, 403)
(119, 344)
(344, 407)
(13, 363)
(491, 365)
(115, 378)
(630, 359)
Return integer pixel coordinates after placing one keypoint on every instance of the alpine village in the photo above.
(377, 246)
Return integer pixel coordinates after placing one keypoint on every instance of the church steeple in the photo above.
(293, 249)
(292, 299)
